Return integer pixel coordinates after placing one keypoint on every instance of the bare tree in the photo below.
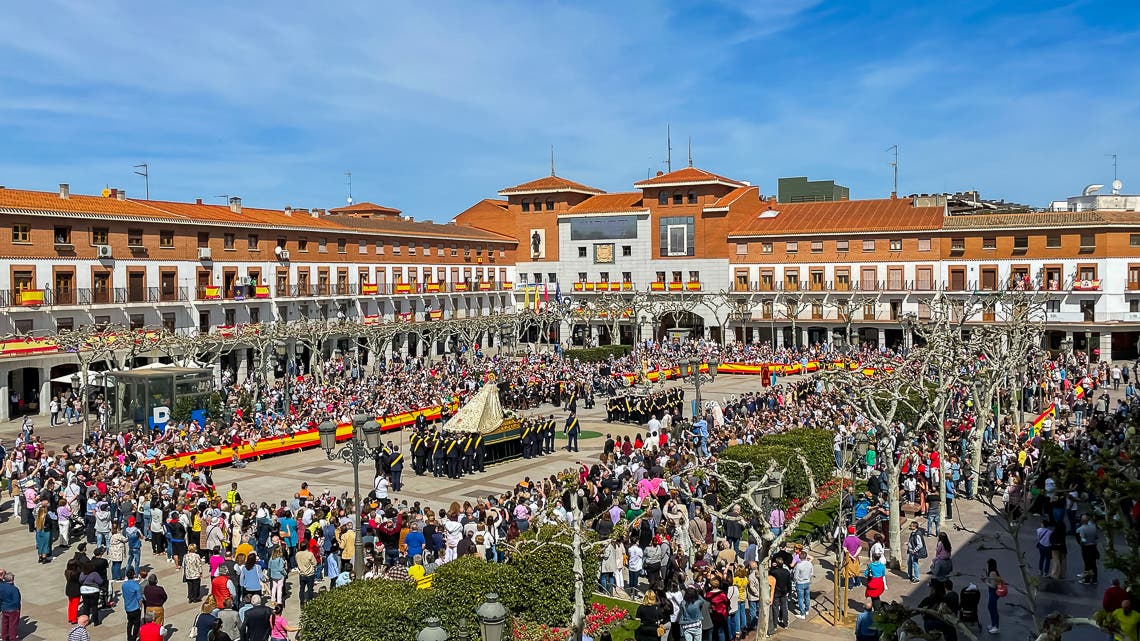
(795, 304)
(721, 305)
(742, 487)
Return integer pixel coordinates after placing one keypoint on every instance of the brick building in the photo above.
(70, 260)
(811, 271)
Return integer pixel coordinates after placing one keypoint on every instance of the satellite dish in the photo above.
(277, 250)
(1091, 189)
(1116, 186)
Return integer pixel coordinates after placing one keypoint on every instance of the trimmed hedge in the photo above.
(814, 445)
(536, 585)
(598, 354)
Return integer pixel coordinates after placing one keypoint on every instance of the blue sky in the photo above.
(435, 105)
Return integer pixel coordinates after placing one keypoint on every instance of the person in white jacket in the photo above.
(452, 534)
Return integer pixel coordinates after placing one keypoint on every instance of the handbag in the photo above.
(192, 633)
(1001, 589)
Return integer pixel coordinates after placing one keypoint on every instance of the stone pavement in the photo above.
(273, 479)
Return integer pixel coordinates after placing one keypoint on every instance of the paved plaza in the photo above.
(275, 478)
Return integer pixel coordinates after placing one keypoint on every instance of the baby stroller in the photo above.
(968, 600)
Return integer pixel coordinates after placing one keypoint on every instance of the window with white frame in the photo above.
(678, 237)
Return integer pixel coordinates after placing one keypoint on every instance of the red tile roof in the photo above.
(364, 208)
(741, 194)
(549, 184)
(610, 203)
(159, 210)
(687, 176)
(76, 203)
(853, 216)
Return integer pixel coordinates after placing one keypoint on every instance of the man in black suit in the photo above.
(258, 621)
(572, 429)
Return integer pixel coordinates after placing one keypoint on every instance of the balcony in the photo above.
(32, 298)
(209, 292)
(169, 293)
(1134, 286)
(61, 296)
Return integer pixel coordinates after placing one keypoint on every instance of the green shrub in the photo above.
(373, 610)
(598, 354)
(537, 585)
(461, 586)
(545, 582)
(182, 408)
(814, 445)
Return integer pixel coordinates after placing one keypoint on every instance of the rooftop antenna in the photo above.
(551, 160)
(225, 198)
(895, 167)
(348, 175)
(1113, 156)
(668, 148)
(690, 151)
(145, 173)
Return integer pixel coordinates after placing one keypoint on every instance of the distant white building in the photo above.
(1092, 200)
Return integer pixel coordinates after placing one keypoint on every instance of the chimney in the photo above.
(197, 201)
(235, 204)
(121, 194)
(772, 200)
(316, 213)
(894, 195)
(114, 193)
(64, 191)
(288, 210)
(660, 173)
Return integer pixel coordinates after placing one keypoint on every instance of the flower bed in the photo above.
(599, 618)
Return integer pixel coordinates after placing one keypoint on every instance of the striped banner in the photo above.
(296, 442)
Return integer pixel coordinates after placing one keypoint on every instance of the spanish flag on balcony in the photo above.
(1049, 413)
(213, 293)
(32, 297)
(261, 291)
(368, 289)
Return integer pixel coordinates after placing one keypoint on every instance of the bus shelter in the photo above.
(149, 396)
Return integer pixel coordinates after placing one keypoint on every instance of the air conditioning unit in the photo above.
(204, 253)
(103, 251)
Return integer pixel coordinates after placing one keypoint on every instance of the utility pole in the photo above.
(145, 173)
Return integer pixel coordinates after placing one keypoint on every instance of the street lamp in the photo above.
(432, 631)
(78, 389)
(363, 446)
(492, 617)
(691, 372)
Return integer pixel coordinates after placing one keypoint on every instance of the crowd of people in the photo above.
(695, 572)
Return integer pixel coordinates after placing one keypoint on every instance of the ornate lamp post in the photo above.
(492, 617)
(691, 373)
(362, 447)
(79, 389)
(432, 631)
